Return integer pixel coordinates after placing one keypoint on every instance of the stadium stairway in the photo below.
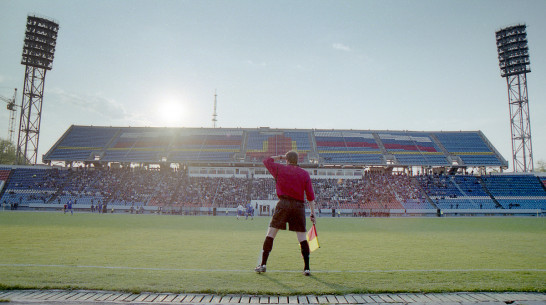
(482, 183)
(422, 190)
(83, 297)
(543, 185)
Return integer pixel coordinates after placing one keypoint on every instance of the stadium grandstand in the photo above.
(225, 146)
(214, 170)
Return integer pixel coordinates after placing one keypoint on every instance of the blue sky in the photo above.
(397, 65)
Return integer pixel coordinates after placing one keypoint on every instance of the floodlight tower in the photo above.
(38, 53)
(514, 65)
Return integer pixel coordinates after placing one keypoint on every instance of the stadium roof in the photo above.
(247, 146)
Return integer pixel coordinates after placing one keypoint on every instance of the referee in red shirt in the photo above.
(292, 183)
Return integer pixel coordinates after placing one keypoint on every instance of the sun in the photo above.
(170, 113)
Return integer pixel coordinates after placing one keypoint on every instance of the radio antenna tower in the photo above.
(214, 115)
(12, 108)
(514, 65)
(38, 53)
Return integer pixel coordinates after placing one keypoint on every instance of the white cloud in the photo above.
(341, 47)
(92, 109)
(97, 104)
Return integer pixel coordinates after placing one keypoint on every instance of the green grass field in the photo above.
(217, 254)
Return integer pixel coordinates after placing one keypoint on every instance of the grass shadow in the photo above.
(290, 290)
(339, 289)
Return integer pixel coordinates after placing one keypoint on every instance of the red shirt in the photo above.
(292, 181)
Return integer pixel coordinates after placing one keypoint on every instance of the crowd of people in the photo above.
(140, 187)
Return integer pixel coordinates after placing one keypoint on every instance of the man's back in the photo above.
(291, 180)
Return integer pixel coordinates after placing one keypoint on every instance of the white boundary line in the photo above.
(283, 271)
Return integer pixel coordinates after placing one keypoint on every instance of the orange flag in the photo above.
(312, 239)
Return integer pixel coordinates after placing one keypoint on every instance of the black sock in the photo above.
(268, 245)
(305, 253)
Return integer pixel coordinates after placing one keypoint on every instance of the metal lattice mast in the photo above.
(38, 54)
(214, 114)
(12, 108)
(514, 63)
(522, 148)
(12, 111)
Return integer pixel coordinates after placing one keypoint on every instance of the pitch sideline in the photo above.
(250, 270)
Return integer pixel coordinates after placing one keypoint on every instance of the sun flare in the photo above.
(170, 113)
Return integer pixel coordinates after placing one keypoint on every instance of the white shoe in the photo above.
(260, 269)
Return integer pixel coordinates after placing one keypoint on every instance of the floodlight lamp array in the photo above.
(513, 50)
(40, 42)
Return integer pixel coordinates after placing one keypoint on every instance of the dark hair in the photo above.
(292, 157)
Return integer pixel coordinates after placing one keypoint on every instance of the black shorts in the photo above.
(290, 211)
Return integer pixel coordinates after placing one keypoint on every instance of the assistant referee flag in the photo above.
(312, 239)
